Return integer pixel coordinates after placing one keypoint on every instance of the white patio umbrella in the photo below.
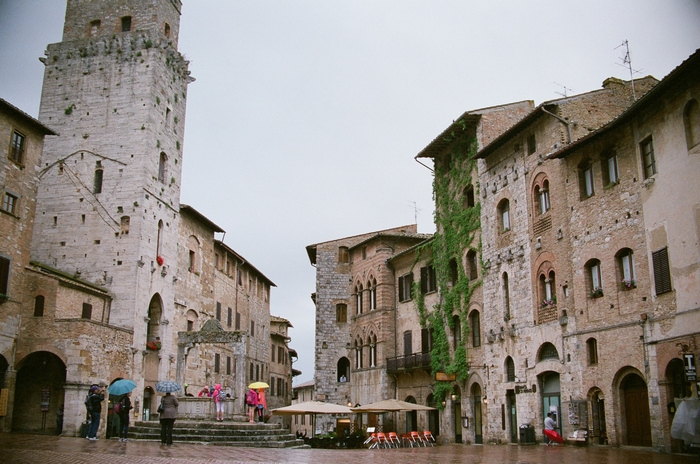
(391, 405)
(313, 408)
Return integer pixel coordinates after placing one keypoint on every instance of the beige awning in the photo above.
(391, 405)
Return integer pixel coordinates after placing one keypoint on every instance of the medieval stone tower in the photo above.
(109, 198)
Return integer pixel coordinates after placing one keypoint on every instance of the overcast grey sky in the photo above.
(305, 116)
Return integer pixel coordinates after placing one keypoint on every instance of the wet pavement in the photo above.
(30, 449)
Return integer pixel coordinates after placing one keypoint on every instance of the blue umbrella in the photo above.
(167, 386)
(121, 387)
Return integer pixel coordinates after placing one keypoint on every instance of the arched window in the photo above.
(99, 173)
(542, 196)
(592, 351)
(358, 298)
(372, 284)
(594, 278)
(358, 353)
(472, 268)
(691, 119)
(505, 292)
(191, 320)
(454, 272)
(504, 215)
(625, 268)
(193, 264)
(343, 369)
(343, 255)
(475, 325)
(162, 167)
(510, 369)
(546, 288)
(372, 342)
(456, 331)
(585, 178)
(159, 241)
(547, 351)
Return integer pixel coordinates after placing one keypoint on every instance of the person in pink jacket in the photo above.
(251, 399)
(219, 398)
(262, 404)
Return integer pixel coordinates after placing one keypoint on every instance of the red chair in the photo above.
(373, 440)
(428, 436)
(417, 440)
(382, 440)
(393, 439)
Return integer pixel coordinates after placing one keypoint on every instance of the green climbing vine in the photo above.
(456, 232)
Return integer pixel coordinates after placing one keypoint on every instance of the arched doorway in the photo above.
(457, 412)
(551, 397)
(676, 387)
(411, 417)
(149, 402)
(635, 400)
(476, 407)
(153, 340)
(38, 392)
(598, 428)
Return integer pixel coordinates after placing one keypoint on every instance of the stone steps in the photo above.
(258, 435)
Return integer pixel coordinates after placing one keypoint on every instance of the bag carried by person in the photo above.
(251, 397)
(117, 407)
(160, 407)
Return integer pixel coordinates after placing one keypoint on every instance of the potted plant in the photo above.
(628, 284)
(597, 292)
(547, 302)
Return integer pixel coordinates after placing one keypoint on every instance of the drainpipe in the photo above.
(563, 121)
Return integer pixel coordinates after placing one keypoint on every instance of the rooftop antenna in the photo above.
(627, 63)
(564, 90)
(415, 211)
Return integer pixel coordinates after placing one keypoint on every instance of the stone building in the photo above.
(124, 281)
(21, 143)
(633, 344)
(281, 372)
(355, 316)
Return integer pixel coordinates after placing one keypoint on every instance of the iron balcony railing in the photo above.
(409, 362)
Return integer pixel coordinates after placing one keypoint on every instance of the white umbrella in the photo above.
(391, 405)
(313, 408)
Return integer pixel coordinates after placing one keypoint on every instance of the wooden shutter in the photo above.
(662, 274)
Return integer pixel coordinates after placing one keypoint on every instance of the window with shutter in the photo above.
(662, 273)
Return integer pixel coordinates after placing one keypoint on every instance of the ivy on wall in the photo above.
(456, 232)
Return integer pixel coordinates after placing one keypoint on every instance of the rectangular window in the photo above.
(218, 311)
(343, 255)
(39, 306)
(592, 345)
(228, 365)
(252, 328)
(238, 320)
(588, 181)
(273, 351)
(341, 312)
(126, 23)
(97, 186)
(407, 343)
(17, 148)
(280, 355)
(87, 311)
(426, 336)
(662, 271)
(9, 203)
(217, 361)
(647, 149)
(428, 280)
(595, 276)
(531, 144)
(4, 275)
(405, 284)
(229, 318)
(190, 326)
(272, 386)
(613, 175)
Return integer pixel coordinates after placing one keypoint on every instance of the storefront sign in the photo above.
(689, 361)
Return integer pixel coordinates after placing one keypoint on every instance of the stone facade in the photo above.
(21, 143)
(123, 279)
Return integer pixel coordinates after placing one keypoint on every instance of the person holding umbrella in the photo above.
(167, 410)
(122, 388)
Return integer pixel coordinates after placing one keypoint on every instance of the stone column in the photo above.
(10, 382)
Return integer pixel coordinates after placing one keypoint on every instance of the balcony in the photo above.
(411, 362)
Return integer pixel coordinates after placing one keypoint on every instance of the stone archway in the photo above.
(39, 392)
(213, 333)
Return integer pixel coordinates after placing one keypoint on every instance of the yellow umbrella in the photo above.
(256, 385)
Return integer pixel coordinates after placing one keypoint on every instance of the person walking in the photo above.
(219, 399)
(124, 408)
(549, 424)
(251, 399)
(169, 405)
(94, 406)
